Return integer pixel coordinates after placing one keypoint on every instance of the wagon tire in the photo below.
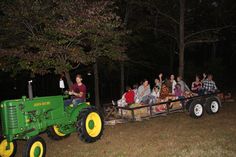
(212, 105)
(196, 109)
(187, 104)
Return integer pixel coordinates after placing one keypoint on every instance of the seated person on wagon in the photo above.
(164, 94)
(127, 98)
(77, 92)
(143, 92)
(196, 85)
(135, 89)
(178, 91)
(209, 86)
(170, 83)
(154, 95)
(184, 87)
(158, 81)
(179, 94)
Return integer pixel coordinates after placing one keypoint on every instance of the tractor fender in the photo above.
(76, 111)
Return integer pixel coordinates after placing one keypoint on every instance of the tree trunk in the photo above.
(68, 79)
(122, 70)
(127, 13)
(172, 56)
(122, 78)
(96, 86)
(181, 39)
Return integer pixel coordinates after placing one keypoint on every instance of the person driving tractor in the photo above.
(77, 92)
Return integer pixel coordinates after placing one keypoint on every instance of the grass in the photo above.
(176, 135)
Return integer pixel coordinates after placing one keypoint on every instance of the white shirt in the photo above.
(155, 94)
(173, 86)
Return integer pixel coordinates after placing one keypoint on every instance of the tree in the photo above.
(181, 22)
(58, 36)
(181, 38)
(190, 36)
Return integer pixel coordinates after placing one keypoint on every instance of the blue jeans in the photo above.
(201, 92)
(74, 101)
(204, 91)
(182, 101)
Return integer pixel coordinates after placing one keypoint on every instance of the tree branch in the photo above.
(70, 42)
(204, 31)
(75, 67)
(143, 63)
(168, 34)
(167, 16)
(29, 27)
(201, 41)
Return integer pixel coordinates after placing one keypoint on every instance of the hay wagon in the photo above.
(195, 106)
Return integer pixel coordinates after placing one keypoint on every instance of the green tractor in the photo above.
(27, 118)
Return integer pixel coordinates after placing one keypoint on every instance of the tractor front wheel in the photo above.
(7, 152)
(35, 147)
(90, 125)
(55, 133)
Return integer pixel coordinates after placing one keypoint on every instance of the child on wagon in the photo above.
(127, 98)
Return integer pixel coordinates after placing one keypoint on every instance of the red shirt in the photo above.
(196, 86)
(129, 97)
(77, 89)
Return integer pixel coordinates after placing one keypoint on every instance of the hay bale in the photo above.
(142, 112)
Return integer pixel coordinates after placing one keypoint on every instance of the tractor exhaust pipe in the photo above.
(30, 90)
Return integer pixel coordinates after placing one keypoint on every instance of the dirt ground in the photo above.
(175, 135)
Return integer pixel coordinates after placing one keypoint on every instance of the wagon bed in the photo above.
(194, 106)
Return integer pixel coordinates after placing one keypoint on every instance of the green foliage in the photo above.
(57, 36)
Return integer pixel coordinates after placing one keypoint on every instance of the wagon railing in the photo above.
(167, 103)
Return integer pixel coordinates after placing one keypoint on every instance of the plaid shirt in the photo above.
(209, 86)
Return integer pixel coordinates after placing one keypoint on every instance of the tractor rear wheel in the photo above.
(212, 105)
(55, 133)
(35, 147)
(4, 152)
(90, 125)
(196, 109)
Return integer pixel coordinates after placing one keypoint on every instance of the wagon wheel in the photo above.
(212, 105)
(90, 125)
(196, 109)
(35, 147)
(55, 133)
(7, 152)
(187, 104)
